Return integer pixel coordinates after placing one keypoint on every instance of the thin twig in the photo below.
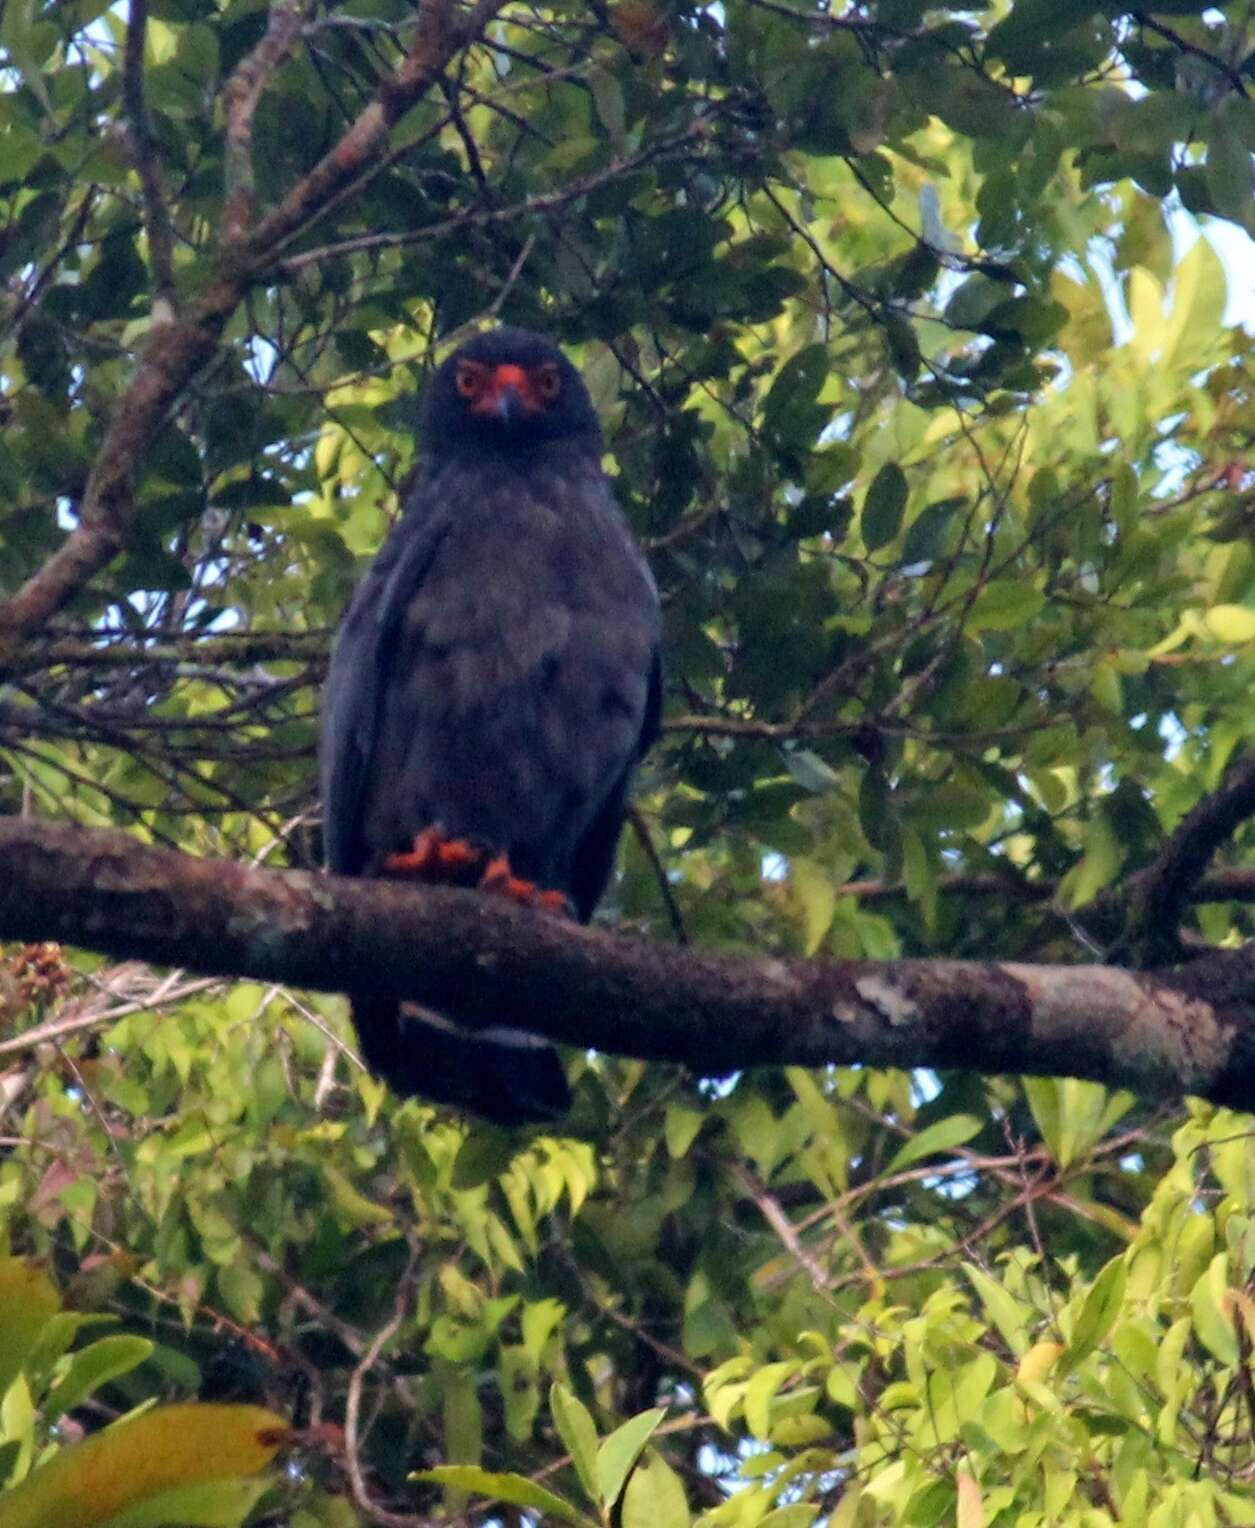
(144, 153)
(643, 836)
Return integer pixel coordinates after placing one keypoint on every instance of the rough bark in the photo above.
(478, 959)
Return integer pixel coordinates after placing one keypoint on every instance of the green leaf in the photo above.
(926, 536)
(762, 1390)
(1098, 1313)
(27, 1301)
(579, 1433)
(519, 1377)
(209, 1504)
(482, 1156)
(680, 1128)
(93, 1366)
(515, 1490)
(797, 383)
(817, 897)
(1098, 867)
(1003, 605)
(654, 1497)
(941, 1137)
(1042, 1094)
(1003, 1309)
(352, 1206)
(1228, 165)
(883, 507)
(1087, 1110)
(620, 1451)
(463, 1417)
(1211, 1309)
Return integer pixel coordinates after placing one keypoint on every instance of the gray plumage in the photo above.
(497, 676)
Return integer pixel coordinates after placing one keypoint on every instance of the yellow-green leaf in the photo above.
(1003, 1309)
(208, 1504)
(93, 1366)
(27, 1301)
(620, 1451)
(578, 1431)
(655, 1497)
(942, 1136)
(130, 1463)
(1098, 1313)
(1230, 623)
(516, 1490)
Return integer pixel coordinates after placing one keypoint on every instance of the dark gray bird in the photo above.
(493, 686)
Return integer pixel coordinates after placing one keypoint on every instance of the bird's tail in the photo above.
(509, 1076)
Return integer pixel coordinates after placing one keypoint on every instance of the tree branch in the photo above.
(144, 154)
(174, 352)
(474, 958)
(437, 39)
(241, 94)
(1140, 917)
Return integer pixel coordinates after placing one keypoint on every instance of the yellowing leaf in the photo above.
(970, 1510)
(1212, 1309)
(1038, 1362)
(1230, 623)
(172, 1446)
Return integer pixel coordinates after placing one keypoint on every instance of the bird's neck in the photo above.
(516, 454)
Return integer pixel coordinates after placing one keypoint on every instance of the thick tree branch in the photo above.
(241, 94)
(172, 355)
(1163, 1032)
(1139, 918)
(174, 352)
(437, 39)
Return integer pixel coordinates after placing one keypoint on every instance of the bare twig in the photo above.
(646, 840)
(352, 1414)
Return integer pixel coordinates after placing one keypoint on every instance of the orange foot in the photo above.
(499, 878)
(437, 858)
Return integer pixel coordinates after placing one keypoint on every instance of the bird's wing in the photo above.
(351, 696)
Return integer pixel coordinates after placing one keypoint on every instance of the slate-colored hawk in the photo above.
(492, 688)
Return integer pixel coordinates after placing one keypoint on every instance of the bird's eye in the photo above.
(548, 383)
(469, 381)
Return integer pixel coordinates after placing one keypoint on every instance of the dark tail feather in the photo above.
(506, 1075)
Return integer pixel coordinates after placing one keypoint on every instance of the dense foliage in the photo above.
(921, 391)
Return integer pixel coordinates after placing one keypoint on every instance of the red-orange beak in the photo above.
(509, 393)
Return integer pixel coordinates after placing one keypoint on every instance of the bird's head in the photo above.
(509, 389)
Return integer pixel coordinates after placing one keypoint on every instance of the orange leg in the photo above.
(434, 857)
(500, 879)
